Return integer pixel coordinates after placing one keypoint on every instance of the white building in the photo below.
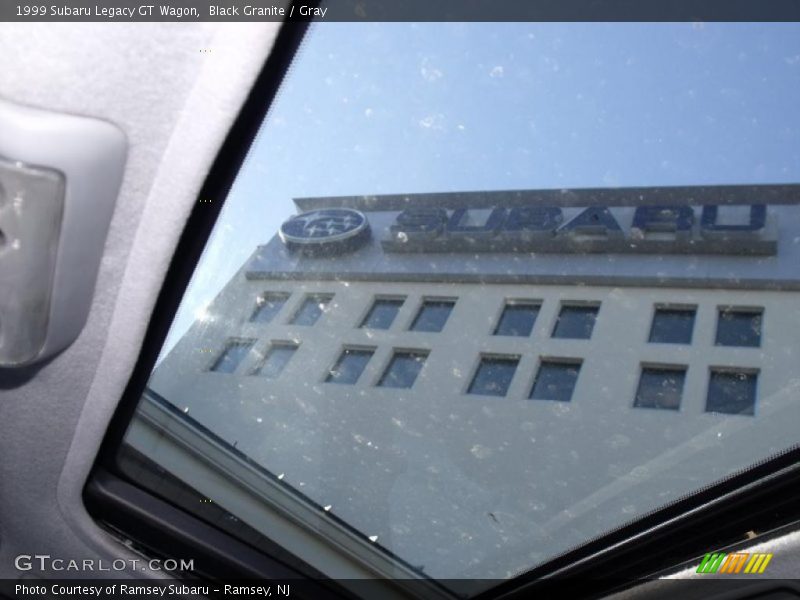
(485, 389)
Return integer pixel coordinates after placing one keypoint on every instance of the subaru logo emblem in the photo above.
(331, 230)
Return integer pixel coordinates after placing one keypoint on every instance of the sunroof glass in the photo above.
(373, 220)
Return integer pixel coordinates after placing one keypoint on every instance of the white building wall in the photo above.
(479, 486)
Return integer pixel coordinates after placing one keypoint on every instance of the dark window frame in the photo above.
(398, 300)
(755, 311)
(683, 370)
(672, 308)
(271, 347)
(487, 357)
(229, 343)
(309, 298)
(430, 300)
(751, 372)
(343, 353)
(567, 305)
(284, 296)
(536, 305)
(547, 361)
(424, 353)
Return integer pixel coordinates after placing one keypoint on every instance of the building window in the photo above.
(672, 326)
(660, 387)
(732, 391)
(739, 327)
(382, 313)
(267, 306)
(233, 354)
(278, 356)
(494, 375)
(403, 369)
(517, 319)
(555, 380)
(432, 315)
(311, 310)
(576, 321)
(350, 365)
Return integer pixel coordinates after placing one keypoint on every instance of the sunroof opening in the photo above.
(483, 292)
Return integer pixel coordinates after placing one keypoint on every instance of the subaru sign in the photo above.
(648, 229)
(329, 231)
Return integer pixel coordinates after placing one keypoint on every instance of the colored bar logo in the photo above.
(738, 562)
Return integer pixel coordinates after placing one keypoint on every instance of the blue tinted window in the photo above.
(672, 326)
(267, 306)
(311, 310)
(732, 392)
(555, 380)
(576, 322)
(432, 315)
(494, 376)
(349, 367)
(660, 388)
(517, 319)
(230, 358)
(382, 314)
(403, 369)
(276, 360)
(739, 328)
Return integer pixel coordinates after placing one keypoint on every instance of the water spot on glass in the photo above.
(561, 409)
(429, 72)
(619, 441)
(480, 452)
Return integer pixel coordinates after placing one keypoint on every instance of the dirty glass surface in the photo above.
(555, 381)
(517, 319)
(672, 326)
(468, 437)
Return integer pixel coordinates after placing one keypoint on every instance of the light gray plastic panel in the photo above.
(59, 179)
(31, 209)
